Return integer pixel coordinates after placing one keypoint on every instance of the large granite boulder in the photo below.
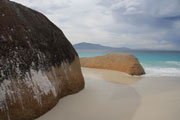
(38, 65)
(116, 61)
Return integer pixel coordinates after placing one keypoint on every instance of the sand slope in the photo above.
(148, 98)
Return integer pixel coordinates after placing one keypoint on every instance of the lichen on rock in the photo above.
(38, 65)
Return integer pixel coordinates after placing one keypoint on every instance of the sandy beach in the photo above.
(112, 95)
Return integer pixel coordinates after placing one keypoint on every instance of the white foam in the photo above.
(159, 71)
(177, 63)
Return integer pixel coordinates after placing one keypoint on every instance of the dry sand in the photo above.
(111, 95)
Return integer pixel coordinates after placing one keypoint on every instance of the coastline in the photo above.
(154, 63)
(136, 98)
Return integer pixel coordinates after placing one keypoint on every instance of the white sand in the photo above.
(126, 98)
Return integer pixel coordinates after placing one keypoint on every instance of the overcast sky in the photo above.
(153, 24)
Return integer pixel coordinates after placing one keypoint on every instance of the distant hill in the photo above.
(84, 46)
(91, 46)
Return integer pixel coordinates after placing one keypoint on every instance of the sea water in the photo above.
(154, 63)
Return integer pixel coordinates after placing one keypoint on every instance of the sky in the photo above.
(138, 24)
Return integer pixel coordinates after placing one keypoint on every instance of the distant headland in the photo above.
(85, 46)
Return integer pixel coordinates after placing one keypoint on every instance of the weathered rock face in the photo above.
(38, 65)
(120, 62)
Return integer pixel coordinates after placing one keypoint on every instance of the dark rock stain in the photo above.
(28, 40)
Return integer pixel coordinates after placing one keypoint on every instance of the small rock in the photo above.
(120, 62)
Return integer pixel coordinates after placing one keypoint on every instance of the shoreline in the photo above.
(130, 98)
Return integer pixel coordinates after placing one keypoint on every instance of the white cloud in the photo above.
(119, 23)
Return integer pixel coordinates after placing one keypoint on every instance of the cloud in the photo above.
(119, 23)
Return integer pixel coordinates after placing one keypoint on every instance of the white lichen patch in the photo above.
(29, 30)
(65, 67)
(10, 38)
(12, 29)
(37, 84)
(11, 90)
(41, 81)
(3, 38)
(26, 37)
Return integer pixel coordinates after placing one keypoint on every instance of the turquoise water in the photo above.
(154, 63)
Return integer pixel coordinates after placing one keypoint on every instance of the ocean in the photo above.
(154, 63)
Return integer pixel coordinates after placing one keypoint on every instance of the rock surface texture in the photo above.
(120, 62)
(38, 65)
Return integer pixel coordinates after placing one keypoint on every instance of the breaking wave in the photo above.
(158, 71)
(177, 63)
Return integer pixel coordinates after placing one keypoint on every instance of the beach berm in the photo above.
(116, 61)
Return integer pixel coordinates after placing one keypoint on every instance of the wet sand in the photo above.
(111, 95)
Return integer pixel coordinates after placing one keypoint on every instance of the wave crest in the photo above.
(177, 63)
(157, 71)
